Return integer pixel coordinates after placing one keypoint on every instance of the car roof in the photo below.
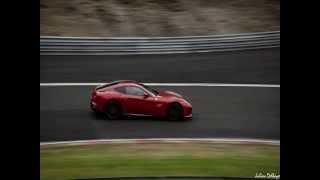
(124, 81)
(118, 83)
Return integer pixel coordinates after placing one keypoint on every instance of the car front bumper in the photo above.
(187, 112)
(188, 116)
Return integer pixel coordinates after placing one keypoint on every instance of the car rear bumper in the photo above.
(93, 105)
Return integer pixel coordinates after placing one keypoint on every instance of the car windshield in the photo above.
(150, 89)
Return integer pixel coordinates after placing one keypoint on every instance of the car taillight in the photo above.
(93, 94)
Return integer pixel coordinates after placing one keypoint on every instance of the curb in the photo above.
(165, 140)
(179, 177)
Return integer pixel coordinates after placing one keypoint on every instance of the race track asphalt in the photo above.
(254, 66)
(238, 112)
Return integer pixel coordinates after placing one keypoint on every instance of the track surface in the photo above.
(255, 66)
(218, 111)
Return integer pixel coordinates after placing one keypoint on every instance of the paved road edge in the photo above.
(165, 140)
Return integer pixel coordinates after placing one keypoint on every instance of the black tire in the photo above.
(113, 110)
(174, 112)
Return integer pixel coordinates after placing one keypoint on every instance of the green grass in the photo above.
(105, 160)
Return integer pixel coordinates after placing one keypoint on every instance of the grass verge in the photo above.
(167, 159)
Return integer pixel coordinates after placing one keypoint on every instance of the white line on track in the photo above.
(165, 140)
(170, 84)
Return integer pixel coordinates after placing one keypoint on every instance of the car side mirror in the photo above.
(145, 95)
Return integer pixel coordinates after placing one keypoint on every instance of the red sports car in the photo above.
(127, 97)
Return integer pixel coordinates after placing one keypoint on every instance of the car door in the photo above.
(137, 101)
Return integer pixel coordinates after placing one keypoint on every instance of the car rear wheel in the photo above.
(113, 110)
(174, 112)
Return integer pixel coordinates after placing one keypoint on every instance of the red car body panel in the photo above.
(150, 104)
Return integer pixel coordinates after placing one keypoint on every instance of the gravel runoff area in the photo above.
(157, 17)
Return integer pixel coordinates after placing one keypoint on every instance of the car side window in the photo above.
(132, 90)
(121, 89)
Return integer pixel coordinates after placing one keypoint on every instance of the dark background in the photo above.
(19, 92)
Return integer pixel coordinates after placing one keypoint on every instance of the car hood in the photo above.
(169, 94)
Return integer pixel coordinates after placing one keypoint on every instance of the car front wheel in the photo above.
(174, 112)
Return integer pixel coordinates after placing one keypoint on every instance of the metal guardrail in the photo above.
(55, 45)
